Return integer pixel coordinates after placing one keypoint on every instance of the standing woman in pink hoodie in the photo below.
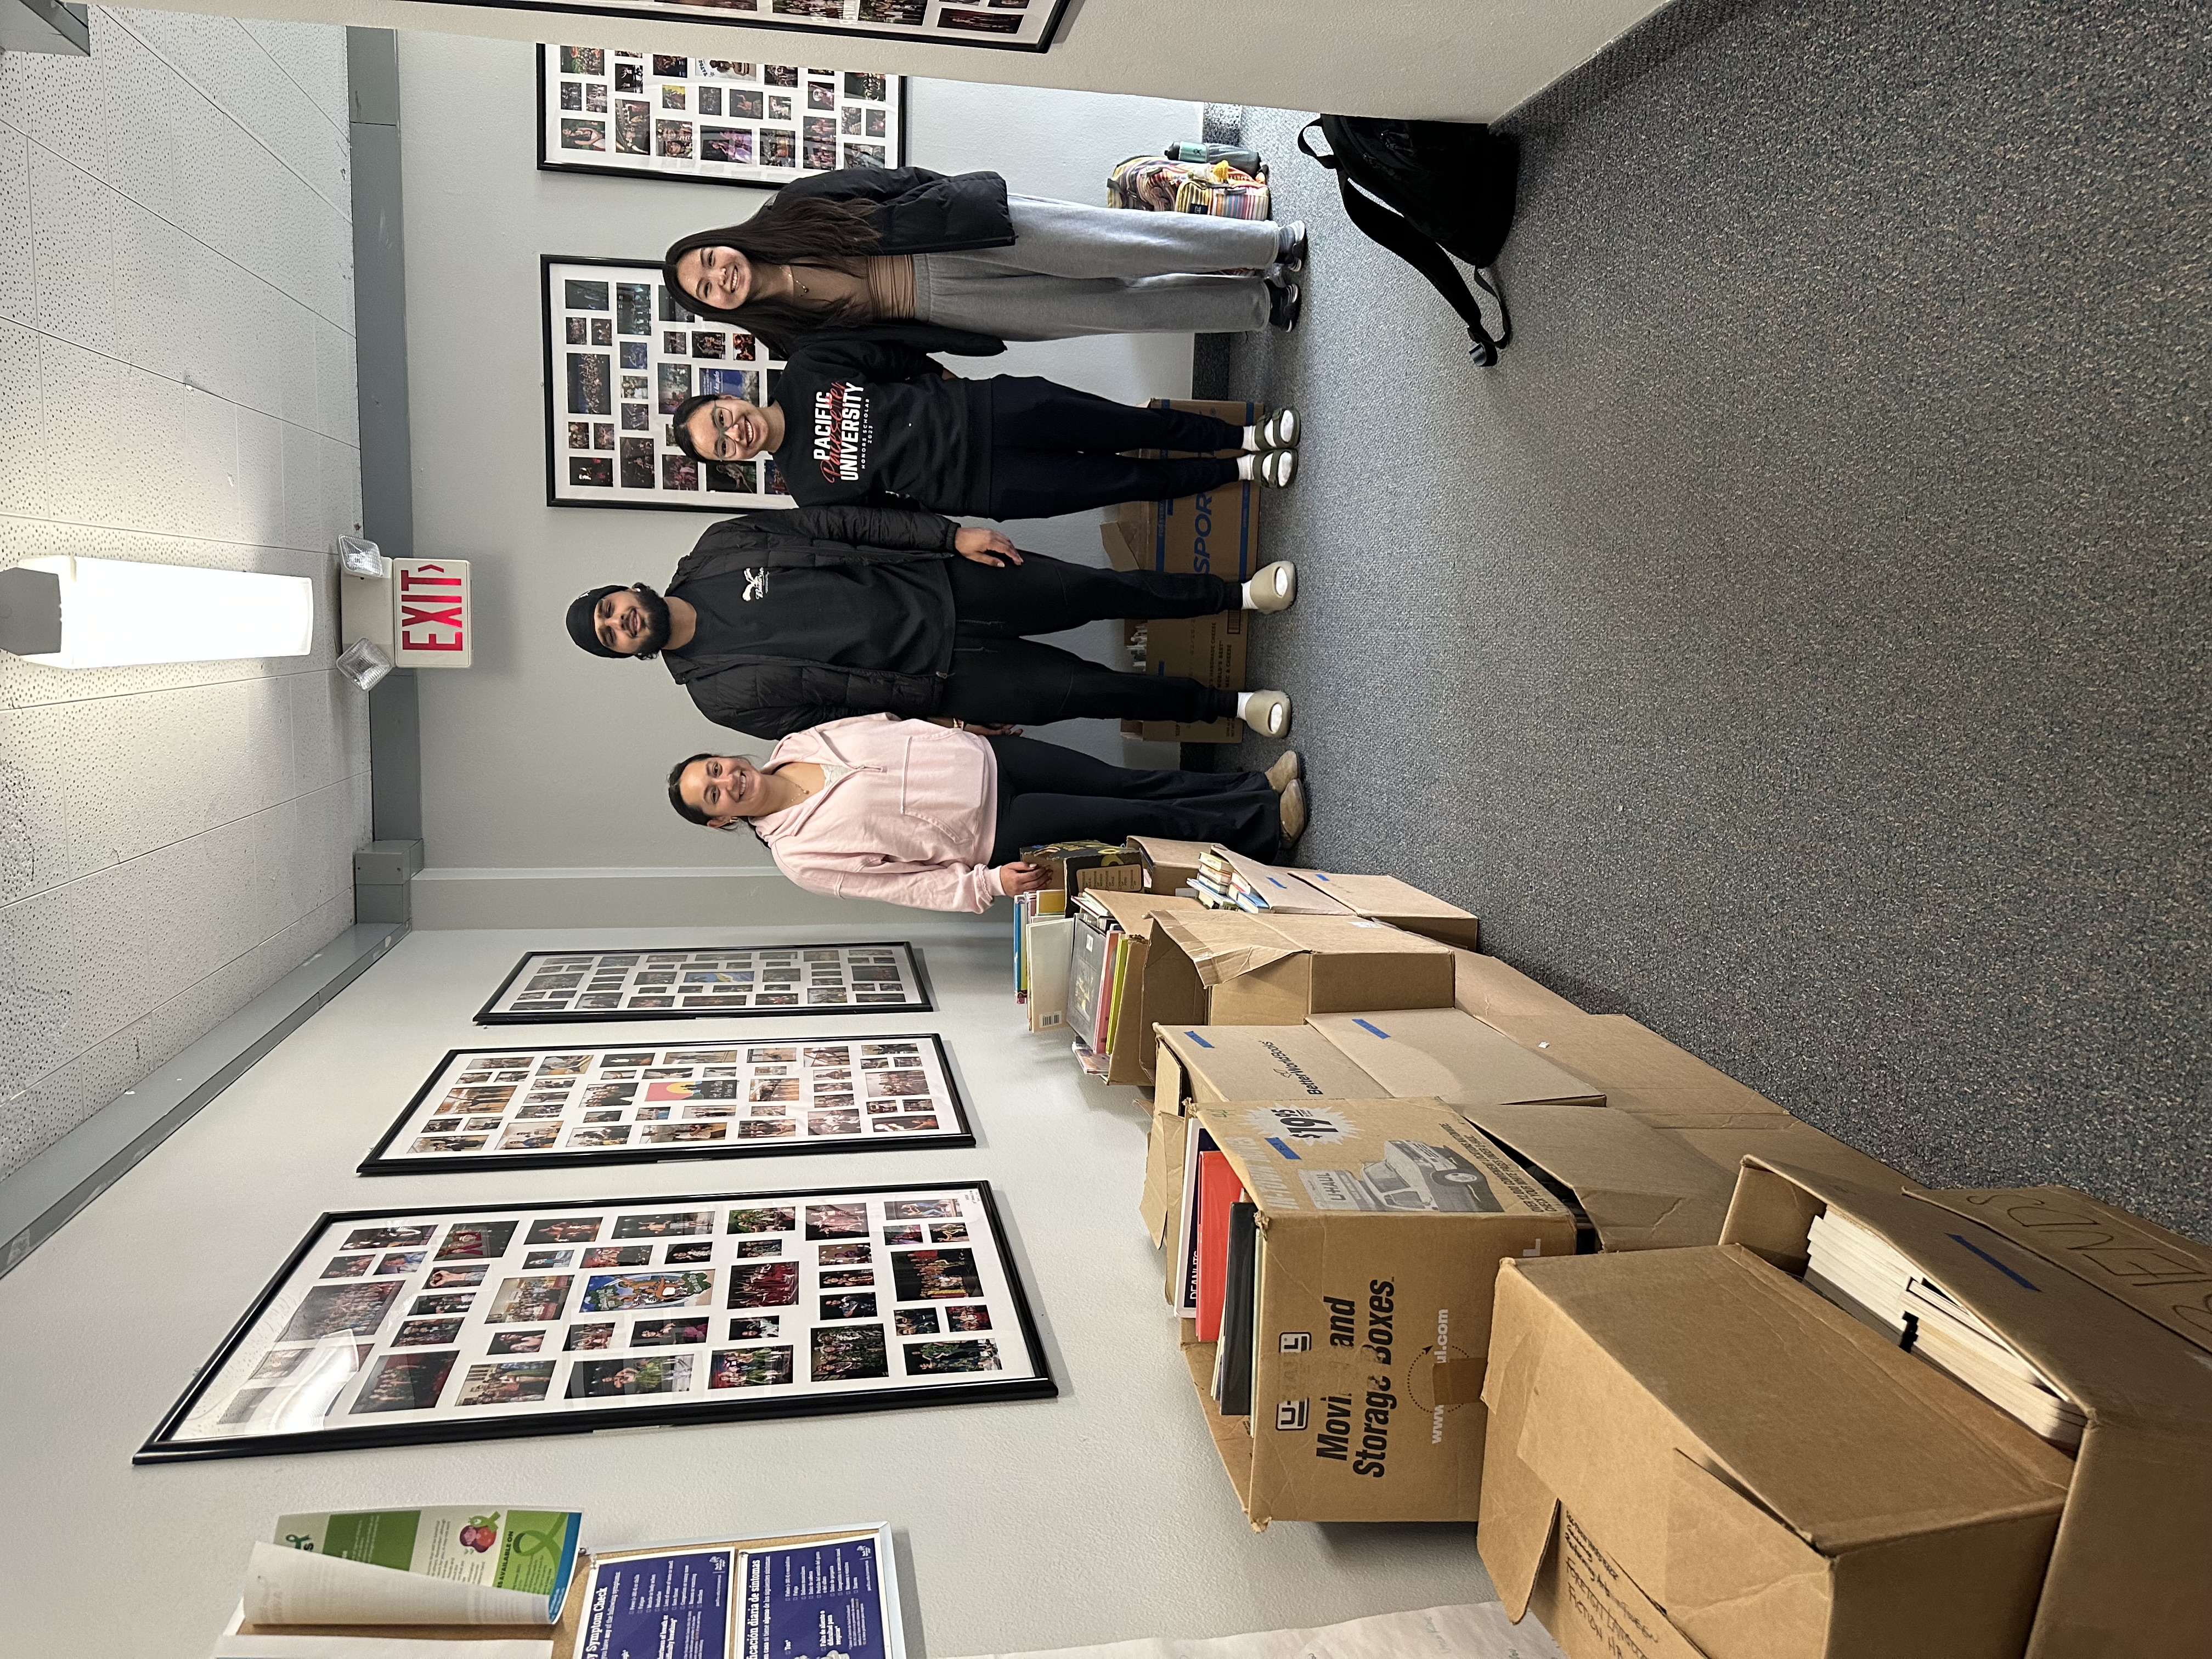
(935, 815)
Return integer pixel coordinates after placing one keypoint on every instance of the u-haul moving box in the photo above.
(1380, 1225)
(2117, 1313)
(1693, 1457)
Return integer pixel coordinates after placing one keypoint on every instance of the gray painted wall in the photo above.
(540, 758)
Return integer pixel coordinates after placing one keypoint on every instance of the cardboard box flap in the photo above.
(2102, 1350)
(1483, 986)
(1135, 911)
(1766, 1381)
(1450, 1055)
(1518, 1510)
(1386, 1158)
(1638, 1070)
(1641, 1189)
(1592, 1601)
(1261, 1062)
(1166, 850)
(1381, 895)
(1222, 944)
(2160, 1274)
(1739, 1580)
(1285, 890)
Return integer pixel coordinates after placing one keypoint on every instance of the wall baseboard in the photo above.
(39, 1198)
(649, 896)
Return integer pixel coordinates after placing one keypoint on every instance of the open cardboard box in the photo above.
(1647, 1076)
(1168, 863)
(1381, 1228)
(1217, 532)
(1227, 968)
(1693, 1457)
(1639, 1188)
(2116, 1311)
(1293, 892)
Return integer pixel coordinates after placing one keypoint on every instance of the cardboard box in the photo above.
(1207, 649)
(1723, 1121)
(1226, 968)
(1691, 1453)
(1130, 1059)
(1202, 1065)
(1169, 863)
(1640, 1188)
(1483, 986)
(1217, 532)
(1293, 892)
(1063, 859)
(2119, 1314)
(1380, 1231)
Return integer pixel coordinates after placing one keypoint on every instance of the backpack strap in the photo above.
(1382, 224)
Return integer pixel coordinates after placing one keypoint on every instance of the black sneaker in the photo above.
(1285, 301)
(1293, 258)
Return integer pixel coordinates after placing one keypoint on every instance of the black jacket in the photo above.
(914, 210)
(773, 696)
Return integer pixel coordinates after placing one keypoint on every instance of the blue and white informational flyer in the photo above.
(819, 1596)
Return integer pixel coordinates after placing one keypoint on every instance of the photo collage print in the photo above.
(713, 119)
(774, 1095)
(414, 1326)
(585, 985)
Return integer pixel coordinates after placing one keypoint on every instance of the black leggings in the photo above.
(1047, 793)
(1056, 450)
(1001, 678)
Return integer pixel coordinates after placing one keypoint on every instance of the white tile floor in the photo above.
(176, 385)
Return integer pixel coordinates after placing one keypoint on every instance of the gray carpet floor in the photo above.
(1798, 642)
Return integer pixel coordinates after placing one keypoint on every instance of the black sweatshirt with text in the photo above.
(876, 421)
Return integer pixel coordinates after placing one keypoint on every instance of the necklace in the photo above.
(798, 282)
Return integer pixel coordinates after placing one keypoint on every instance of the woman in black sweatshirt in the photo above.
(869, 419)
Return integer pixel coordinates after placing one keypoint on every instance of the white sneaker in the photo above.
(1273, 587)
(1267, 713)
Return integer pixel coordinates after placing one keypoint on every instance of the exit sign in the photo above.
(431, 624)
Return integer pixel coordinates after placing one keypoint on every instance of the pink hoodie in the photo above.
(911, 823)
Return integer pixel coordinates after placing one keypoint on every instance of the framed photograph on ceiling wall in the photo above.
(712, 120)
(713, 1097)
(621, 354)
(1008, 25)
(401, 1326)
(709, 980)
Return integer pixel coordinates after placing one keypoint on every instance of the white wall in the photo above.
(1100, 1515)
(1465, 60)
(176, 386)
(541, 758)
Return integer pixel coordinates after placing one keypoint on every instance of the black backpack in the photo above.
(1425, 188)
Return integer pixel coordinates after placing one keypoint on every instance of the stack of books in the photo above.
(1877, 1285)
(1223, 886)
(1097, 974)
(1222, 1244)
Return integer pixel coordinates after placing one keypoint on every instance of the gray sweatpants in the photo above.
(1076, 269)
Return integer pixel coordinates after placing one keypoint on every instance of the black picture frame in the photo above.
(1054, 11)
(377, 1163)
(549, 162)
(490, 1013)
(160, 1448)
(721, 503)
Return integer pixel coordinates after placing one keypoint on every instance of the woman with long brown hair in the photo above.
(875, 246)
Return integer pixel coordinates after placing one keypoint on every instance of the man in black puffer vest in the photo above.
(780, 619)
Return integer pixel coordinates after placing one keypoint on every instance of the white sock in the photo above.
(1245, 465)
(1243, 698)
(1251, 437)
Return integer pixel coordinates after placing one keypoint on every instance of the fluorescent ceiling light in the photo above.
(103, 613)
